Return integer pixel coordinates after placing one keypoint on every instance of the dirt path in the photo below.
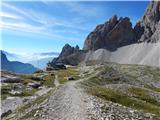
(56, 82)
(67, 103)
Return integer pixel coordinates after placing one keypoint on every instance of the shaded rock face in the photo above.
(111, 35)
(148, 28)
(15, 66)
(68, 50)
(69, 55)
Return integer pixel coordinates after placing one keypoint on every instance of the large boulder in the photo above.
(34, 85)
(10, 79)
(111, 35)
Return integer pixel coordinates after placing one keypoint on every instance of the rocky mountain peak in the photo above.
(66, 46)
(111, 35)
(113, 20)
(152, 13)
(3, 57)
(116, 33)
(77, 47)
(69, 55)
(15, 66)
(148, 27)
(68, 50)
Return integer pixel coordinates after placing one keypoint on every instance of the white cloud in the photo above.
(40, 17)
(9, 15)
(83, 9)
(21, 27)
(18, 11)
(13, 8)
(50, 21)
(47, 23)
(34, 29)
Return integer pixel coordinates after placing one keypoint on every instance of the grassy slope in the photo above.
(137, 96)
(69, 72)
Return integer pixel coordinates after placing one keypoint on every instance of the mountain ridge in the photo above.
(117, 35)
(15, 66)
(111, 35)
(38, 60)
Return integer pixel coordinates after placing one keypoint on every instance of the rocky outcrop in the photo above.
(111, 35)
(117, 41)
(116, 32)
(67, 50)
(103, 42)
(69, 55)
(148, 28)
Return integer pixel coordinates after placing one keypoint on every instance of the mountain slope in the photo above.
(15, 66)
(38, 60)
(69, 55)
(145, 49)
(111, 35)
(148, 28)
(117, 41)
(134, 87)
(143, 53)
(11, 56)
(117, 33)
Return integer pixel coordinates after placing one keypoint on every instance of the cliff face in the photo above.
(69, 55)
(68, 50)
(111, 35)
(148, 28)
(116, 34)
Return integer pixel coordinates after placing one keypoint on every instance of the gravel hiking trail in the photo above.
(67, 103)
(56, 82)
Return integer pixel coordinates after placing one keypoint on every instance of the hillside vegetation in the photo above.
(133, 86)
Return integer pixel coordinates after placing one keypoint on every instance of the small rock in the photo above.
(34, 85)
(70, 78)
(6, 113)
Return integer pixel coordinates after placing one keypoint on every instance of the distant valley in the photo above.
(15, 66)
(39, 60)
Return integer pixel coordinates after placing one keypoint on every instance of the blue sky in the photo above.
(29, 27)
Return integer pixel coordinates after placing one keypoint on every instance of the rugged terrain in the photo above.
(70, 55)
(118, 41)
(97, 87)
(98, 91)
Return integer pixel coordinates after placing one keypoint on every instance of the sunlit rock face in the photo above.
(148, 28)
(111, 35)
(117, 41)
(117, 33)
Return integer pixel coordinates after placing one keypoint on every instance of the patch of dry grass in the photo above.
(69, 72)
